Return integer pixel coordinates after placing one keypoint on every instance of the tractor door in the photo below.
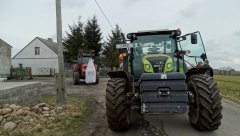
(193, 48)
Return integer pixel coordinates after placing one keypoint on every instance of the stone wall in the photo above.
(5, 59)
(24, 94)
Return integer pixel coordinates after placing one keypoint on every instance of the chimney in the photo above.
(50, 39)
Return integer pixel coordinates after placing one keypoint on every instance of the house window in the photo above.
(37, 50)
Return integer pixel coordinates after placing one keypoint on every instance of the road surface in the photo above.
(152, 125)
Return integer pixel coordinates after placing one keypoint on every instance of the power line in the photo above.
(104, 14)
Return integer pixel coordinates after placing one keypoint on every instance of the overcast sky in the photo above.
(217, 20)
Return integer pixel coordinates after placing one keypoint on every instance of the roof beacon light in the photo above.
(178, 32)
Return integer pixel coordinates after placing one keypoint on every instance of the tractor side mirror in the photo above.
(203, 56)
(194, 38)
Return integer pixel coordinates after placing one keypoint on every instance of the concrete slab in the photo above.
(21, 93)
(9, 85)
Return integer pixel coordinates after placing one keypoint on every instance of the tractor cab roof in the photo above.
(149, 32)
(86, 54)
(154, 32)
(89, 53)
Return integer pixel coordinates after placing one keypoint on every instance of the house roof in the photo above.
(4, 43)
(52, 45)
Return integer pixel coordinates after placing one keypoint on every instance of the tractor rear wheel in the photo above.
(76, 78)
(117, 110)
(205, 112)
(97, 79)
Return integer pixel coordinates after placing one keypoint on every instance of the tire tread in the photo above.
(116, 108)
(209, 99)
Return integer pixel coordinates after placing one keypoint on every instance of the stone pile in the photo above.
(13, 115)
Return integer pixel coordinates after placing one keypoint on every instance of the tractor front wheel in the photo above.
(205, 110)
(117, 109)
(97, 79)
(75, 78)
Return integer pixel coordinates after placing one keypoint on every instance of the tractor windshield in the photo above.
(83, 60)
(196, 52)
(153, 44)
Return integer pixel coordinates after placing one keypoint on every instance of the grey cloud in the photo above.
(211, 45)
(132, 2)
(53, 36)
(2, 5)
(220, 56)
(190, 11)
(15, 51)
(237, 33)
(73, 3)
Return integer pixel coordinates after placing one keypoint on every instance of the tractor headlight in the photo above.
(147, 66)
(169, 65)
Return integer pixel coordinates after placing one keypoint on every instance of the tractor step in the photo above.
(163, 93)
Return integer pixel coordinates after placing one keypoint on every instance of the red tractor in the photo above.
(80, 65)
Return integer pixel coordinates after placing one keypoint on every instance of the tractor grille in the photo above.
(158, 63)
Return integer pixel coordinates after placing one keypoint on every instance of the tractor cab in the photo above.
(164, 51)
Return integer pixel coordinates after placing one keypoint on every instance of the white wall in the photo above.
(27, 57)
(36, 64)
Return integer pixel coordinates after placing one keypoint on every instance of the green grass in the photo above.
(77, 111)
(229, 86)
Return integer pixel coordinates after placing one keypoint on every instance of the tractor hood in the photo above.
(157, 63)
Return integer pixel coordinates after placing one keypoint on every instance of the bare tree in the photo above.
(226, 70)
(230, 71)
(222, 70)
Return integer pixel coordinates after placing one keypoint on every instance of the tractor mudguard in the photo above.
(200, 70)
(117, 74)
(122, 74)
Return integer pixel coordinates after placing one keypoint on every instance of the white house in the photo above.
(5, 59)
(40, 54)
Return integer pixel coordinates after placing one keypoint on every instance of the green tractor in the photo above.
(163, 73)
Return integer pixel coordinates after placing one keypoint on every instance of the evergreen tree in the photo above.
(74, 40)
(110, 50)
(93, 35)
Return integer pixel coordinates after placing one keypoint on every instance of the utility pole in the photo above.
(60, 78)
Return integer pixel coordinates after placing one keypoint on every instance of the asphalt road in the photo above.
(152, 125)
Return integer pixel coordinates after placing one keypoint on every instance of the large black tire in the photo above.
(75, 78)
(97, 79)
(205, 113)
(117, 110)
